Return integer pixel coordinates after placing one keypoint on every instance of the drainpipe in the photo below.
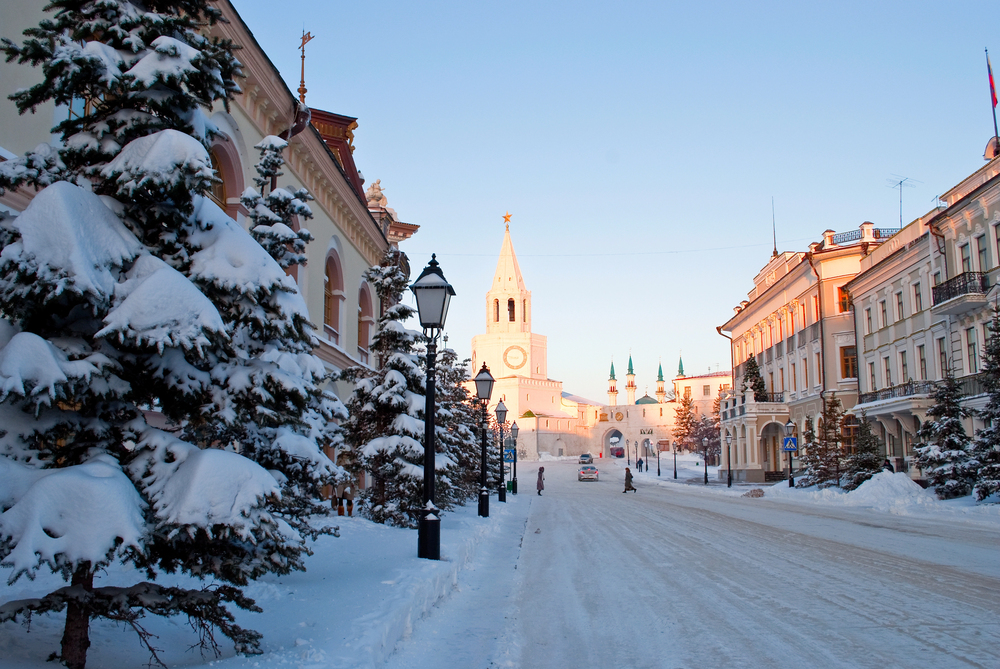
(822, 333)
(732, 360)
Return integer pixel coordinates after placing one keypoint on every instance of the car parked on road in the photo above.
(588, 473)
(586, 459)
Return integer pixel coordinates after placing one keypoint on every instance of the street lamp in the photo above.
(789, 429)
(501, 412)
(513, 480)
(729, 472)
(433, 294)
(704, 448)
(674, 444)
(657, 458)
(628, 454)
(484, 388)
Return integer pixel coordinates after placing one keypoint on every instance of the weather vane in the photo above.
(306, 38)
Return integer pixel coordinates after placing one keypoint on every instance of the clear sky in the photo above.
(637, 145)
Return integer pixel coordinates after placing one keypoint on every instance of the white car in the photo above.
(586, 459)
(588, 473)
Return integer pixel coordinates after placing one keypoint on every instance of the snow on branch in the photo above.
(69, 238)
(202, 488)
(66, 517)
(159, 306)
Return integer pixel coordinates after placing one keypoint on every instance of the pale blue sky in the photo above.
(638, 145)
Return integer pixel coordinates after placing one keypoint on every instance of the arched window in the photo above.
(226, 163)
(333, 295)
(510, 310)
(496, 311)
(365, 321)
(218, 192)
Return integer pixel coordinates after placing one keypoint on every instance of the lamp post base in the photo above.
(484, 503)
(429, 539)
(502, 493)
(513, 485)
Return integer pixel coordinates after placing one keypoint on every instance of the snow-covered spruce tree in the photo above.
(986, 447)
(456, 424)
(822, 459)
(944, 451)
(705, 428)
(274, 409)
(866, 460)
(114, 304)
(272, 209)
(753, 381)
(386, 426)
(684, 422)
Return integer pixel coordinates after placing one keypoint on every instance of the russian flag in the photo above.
(993, 86)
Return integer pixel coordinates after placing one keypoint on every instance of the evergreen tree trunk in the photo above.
(76, 634)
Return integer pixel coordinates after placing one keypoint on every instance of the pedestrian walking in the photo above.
(628, 481)
(541, 480)
(887, 466)
(638, 464)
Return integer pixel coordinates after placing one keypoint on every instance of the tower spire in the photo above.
(612, 386)
(774, 230)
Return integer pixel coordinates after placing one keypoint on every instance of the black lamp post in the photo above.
(675, 458)
(628, 454)
(657, 458)
(704, 453)
(513, 479)
(789, 430)
(501, 412)
(729, 472)
(484, 388)
(433, 294)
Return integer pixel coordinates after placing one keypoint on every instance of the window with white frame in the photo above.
(972, 350)
(918, 300)
(922, 362)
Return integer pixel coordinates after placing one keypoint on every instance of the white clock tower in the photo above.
(516, 357)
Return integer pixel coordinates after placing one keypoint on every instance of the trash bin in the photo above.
(510, 486)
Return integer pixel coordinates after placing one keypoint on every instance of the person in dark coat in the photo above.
(628, 481)
(887, 466)
(541, 480)
(638, 465)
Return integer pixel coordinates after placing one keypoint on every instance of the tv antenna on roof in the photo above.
(901, 182)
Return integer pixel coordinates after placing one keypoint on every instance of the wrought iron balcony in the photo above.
(967, 284)
(902, 390)
(969, 386)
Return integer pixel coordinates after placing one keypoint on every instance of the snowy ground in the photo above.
(676, 575)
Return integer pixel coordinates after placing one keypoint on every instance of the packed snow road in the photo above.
(671, 576)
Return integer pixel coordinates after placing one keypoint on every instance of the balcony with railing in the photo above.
(969, 386)
(961, 293)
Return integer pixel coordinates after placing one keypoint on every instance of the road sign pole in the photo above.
(791, 479)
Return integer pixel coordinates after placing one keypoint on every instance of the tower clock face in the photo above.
(515, 357)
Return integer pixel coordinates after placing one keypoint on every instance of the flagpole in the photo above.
(993, 102)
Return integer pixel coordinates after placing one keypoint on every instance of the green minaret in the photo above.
(612, 377)
(659, 374)
(630, 365)
(680, 366)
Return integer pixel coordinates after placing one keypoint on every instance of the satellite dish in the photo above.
(992, 149)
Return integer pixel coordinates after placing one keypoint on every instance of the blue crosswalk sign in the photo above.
(508, 455)
(791, 444)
